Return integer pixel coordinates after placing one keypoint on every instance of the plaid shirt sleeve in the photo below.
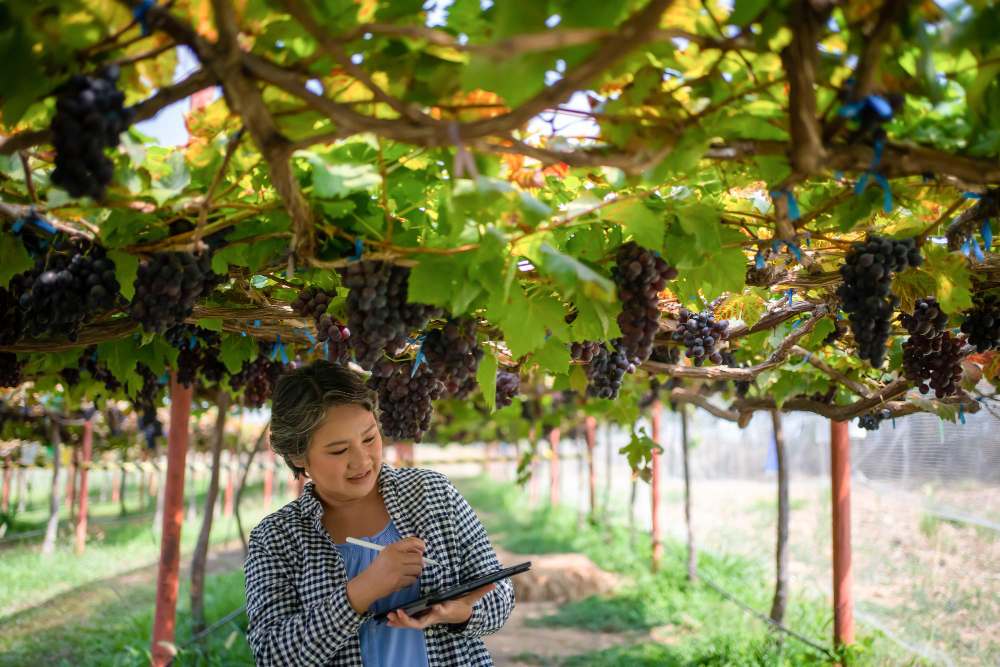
(283, 632)
(478, 558)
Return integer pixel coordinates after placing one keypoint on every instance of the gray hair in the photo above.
(301, 399)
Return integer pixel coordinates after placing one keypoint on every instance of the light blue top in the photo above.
(381, 645)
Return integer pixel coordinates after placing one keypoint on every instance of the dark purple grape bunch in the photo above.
(405, 397)
(10, 370)
(257, 378)
(167, 286)
(11, 320)
(607, 370)
(90, 117)
(866, 293)
(584, 350)
(508, 386)
(639, 275)
(701, 334)
(453, 354)
(872, 420)
(666, 354)
(98, 371)
(199, 353)
(312, 302)
(378, 315)
(982, 323)
(932, 356)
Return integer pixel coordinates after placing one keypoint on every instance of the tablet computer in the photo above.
(421, 605)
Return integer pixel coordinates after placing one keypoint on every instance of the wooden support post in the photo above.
(269, 478)
(554, 435)
(692, 554)
(840, 470)
(657, 538)
(71, 481)
(7, 475)
(780, 601)
(590, 433)
(52, 527)
(85, 457)
(173, 514)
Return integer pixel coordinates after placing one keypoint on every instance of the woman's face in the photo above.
(345, 454)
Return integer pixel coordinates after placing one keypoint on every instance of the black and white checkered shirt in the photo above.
(296, 582)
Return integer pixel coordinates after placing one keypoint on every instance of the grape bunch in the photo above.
(742, 387)
(405, 400)
(89, 119)
(257, 378)
(10, 370)
(311, 302)
(146, 398)
(866, 295)
(66, 288)
(584, 351)
(378, 315)
(700, 334)
(508, 385)
(640, 276)
(167, 286)
(11, 325)
(931, 355)
(198, 353)
(98, 371)
(607, 370)
(454, 355)
(872, 420)
(982, 323)
(336, 336)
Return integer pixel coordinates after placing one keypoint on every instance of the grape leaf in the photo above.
(486, 376)
(15, 258)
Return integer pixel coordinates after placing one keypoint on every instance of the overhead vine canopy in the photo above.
(519, 196)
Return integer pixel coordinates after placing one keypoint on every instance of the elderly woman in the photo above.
(311, 595)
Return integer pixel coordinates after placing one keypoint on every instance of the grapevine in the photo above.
(931, 355)
(405, 397)
(257, 378)
(454, 355)
(606, 371)
(167, 286)
(872, 420)
(982, 323)
(701, 334)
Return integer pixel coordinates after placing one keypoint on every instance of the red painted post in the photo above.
(657, 539)
(173, 514)
(7, 472)
(81, 515)
(269, 478)
(554, 467)
(227, 509)
(590, 431)
(533, 486)
(843, 598)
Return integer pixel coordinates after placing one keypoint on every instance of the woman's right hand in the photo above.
(396, 567)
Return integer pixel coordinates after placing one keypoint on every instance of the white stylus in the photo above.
(379, 547)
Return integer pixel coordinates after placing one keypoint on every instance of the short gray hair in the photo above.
(301, 399)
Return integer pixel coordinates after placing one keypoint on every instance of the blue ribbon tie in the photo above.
(795, 250)
(279, 349)
(977, 251)
(419, 358)
(987, 232)
(966, 247)
(793, 206)
(961, 413)
(256, 324)
(358, 250)
(139, 14)
(308, 334)
(791, 293)
(971, 195)
(192, 342)
(758, 260)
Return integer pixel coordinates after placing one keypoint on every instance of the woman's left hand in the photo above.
(458, 610)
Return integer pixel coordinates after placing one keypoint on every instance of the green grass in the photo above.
(693, 623)
(117, 631)
(27, 578)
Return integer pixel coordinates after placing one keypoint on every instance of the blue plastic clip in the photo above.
(758, 260)
(420, 356)
(790, 293)
(793, 206)
(358, 250)
(977, 251)
(139, 14)
(279, 349)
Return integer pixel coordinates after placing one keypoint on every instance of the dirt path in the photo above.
(522, 644)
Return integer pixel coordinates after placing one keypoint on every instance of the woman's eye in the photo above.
(339, 452)
(372, 439)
